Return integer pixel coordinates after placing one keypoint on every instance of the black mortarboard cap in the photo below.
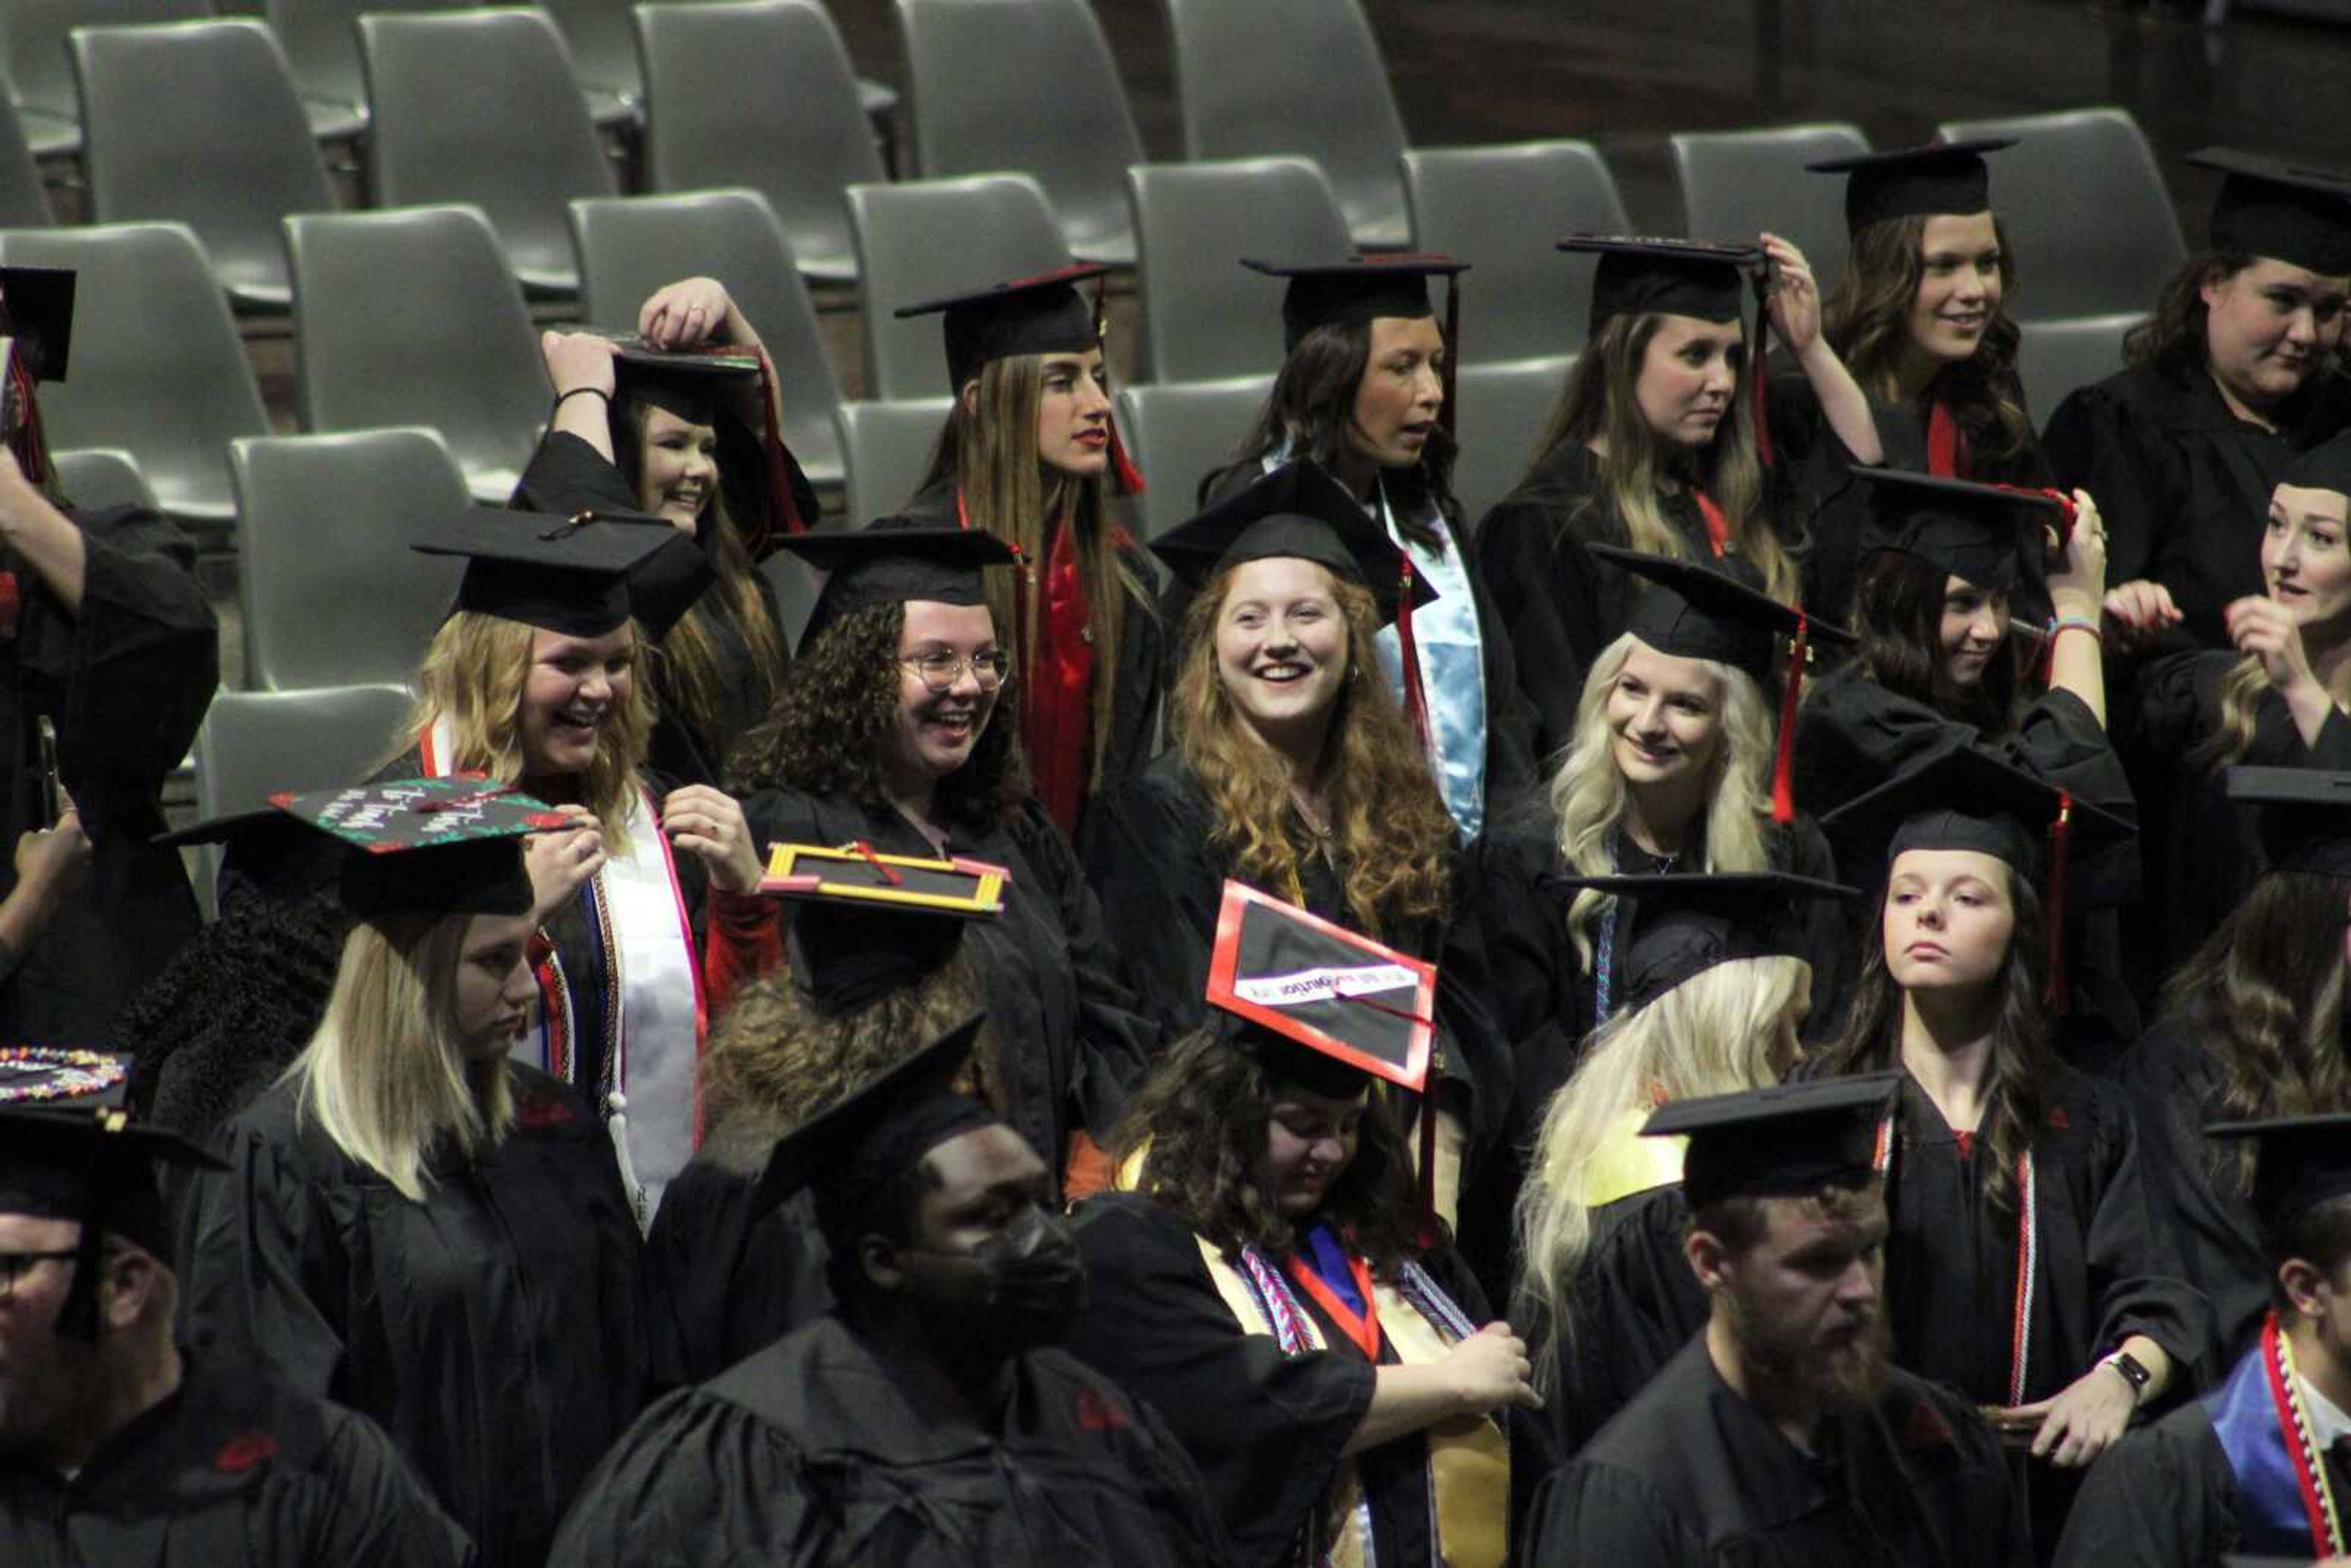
(1044, 314)
(1640, 276)
(865, 924)
(96, 1168)
(54, 1077)
(1943, 178)
(36, 310)
(1685, 925)
(2305, 816)
(2288, 212)
(441, 846)
(1789, 1140)
(2325, 466)
(1331, 1007)
(1298, 510)
(573, 575)
(850, 1152)
(889, 564)
(1355, 290)
(1964, 799)
(2299, 1161)
(1985, 534)
(1711, 610)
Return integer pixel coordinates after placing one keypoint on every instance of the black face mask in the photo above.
(1018, 1290)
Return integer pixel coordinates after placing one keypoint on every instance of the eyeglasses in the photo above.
(15, 1266)
(940, 672)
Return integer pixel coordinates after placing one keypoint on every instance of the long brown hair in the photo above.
(1389, 826)
(1866, 320)
(1598, 402)
(1870, 1041)
(989, 452)
(1897, 613)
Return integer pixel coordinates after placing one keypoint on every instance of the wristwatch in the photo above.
(2137, 1376)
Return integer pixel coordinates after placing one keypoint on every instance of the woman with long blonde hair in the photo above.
(414, 1223)
(1031, 454)
(1654, 447)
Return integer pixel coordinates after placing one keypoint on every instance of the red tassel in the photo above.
(2061, 838)
(1783, 757)
(782, 505)
(1126, 479)
(1416, 701)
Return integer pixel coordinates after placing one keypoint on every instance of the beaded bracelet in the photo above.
(56, 1074)
(2074, 623)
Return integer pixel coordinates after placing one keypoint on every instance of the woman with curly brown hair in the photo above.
(2239, 370)
(2251, 1028)
(1264, 1279)
(897, 732)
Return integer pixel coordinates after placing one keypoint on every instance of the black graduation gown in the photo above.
(1073, 1040)
(125, 680)
(1691, 1474)
(816, 1453)
(2183, 483)
(234, 1470)
(1637, 1302)
(1266, 1431)
(497, 1330)
(1161, 882)
(726, 1283)
(567, 475)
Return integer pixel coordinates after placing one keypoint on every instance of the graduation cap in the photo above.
(54, 1077)
(1684, 925)
(1789, 1140)
(2299, 1162)
(579, 576)
(98, 1168)
(2292, 213)
(1980, 533)
(1942, 178)
(1356, 290)
(2325, 466)
(697, 385)
(1640, 275)
(1699, 610)
(885, 564)
(2305, 816)
(866, 924)
(1965, 798)
(849, 1153)
(36, 310)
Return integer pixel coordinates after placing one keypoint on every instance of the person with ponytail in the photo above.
(2236, 373)
(680, 423)
(1030, 453)
(409, 1221)
(2025, 1268)
(1655, 445)
(1365, 391)
(1717, 990)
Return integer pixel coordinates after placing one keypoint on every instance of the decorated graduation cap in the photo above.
(1684, 925)
(96, 1168)
(575, 575)
(2289, 212)
(1964, 799)
(1700, 609)
(848, 1155)
(1639, 273)
(1941, 179)
(1789, 1140)
(58, 1077)
(2299, 1162)
(2305, 816)
(865, 924)
(1985, 534)
(2325, 466)
(1356, 290)
(885, 564)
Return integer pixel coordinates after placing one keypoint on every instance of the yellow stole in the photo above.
(1627, 1162)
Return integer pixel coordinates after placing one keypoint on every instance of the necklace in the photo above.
(31, 1074)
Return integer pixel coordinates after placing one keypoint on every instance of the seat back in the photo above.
(1502, 209)
(2066, 267)
(1303, 76)
(603, 45)
(327, 521)
(1738, 184)
(483, 108)
(1205, 316)
(322, 43)
(886, 447)
(411, 317)
(977, 69)
(2054, 359)
(24, 205)
(1503, 407)
(199, 122)
(1182, 432)
(158, 369)
(925, 238)
(33, 43)
(631, 245)
(789, 85)
(96, 478)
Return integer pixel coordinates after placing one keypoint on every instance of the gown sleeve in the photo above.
(565, 474)
(742, 939)
(371, 1507)
(1591, 1514)
(2092, 442)
(2136, 1272)
(1157, 893)
(1545, 590)
(1637, 1306)
(251, 1252)
(1266, 1431)
(2163, 1495)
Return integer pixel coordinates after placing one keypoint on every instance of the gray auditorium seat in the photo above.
(97, 477)
(886, 447)
(1180, 432)
(1501, 413)
(604, 62)
(1502, 209)
(33, 59)
(1205, 316)
(2054, 358)
(24, 205)
(1738, 184)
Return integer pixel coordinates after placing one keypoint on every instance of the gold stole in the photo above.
(1627, 1162)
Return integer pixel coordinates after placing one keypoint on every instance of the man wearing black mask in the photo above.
(927, 1420)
